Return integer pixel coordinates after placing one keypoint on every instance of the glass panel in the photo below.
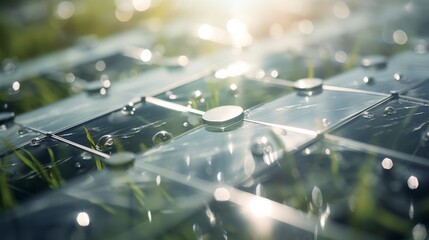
(226, 157)
(225, 220)
(107, 205)
(212, 92)
(368, 192)
(13, 135)
(115, 67)
(313, 112)
(397, 124)
(33, 93)
(73, 111)
(421, 91)
(42, 165)
(393, 78)
(135, 128)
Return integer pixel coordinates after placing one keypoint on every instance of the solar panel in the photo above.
(319, 129)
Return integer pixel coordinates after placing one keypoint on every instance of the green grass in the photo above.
(7, 200)
(98, 163)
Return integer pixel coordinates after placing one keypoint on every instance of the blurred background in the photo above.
(33, 28)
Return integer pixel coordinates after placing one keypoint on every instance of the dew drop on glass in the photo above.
(85, 156)
(77, 165)
(326, 122)
(161, 137)
(105, 143)
(35, 142)
(367, 115)
(185, 124)
(398, 76)
(389, 110)
(368, 80)
(264, 147)
(23, 131)
(128, 109)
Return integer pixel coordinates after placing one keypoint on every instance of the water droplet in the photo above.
(9, 66)
(274, 73)
(197, 95)
(389, 110)
(77, 165)
(265, 147)
(368, 80)
(105, 143)
(367, 115)
(307, 151)
(35, 142)
(161, 137)
(23, 131)
(398, 76)
(326, 122)
(185, 124)
(171, 95)
(85, 156)
(129, 109)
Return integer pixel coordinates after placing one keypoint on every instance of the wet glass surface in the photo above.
(399, 125)
(73, 111)
(225, 220)
(317, 112)
(226, 157)
(293, 66)
(42, 165)
(370, 192)
(32, 93)
(211, 92)
(326, 172)
(134, 128)
(13, 135)
(392, 78)
(421, 91)
(114, 68)
(107, 205)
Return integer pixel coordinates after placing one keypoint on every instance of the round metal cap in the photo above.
(120, 160)
(375, 61)
(308, 84)
(6, 117)
(223, 116)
